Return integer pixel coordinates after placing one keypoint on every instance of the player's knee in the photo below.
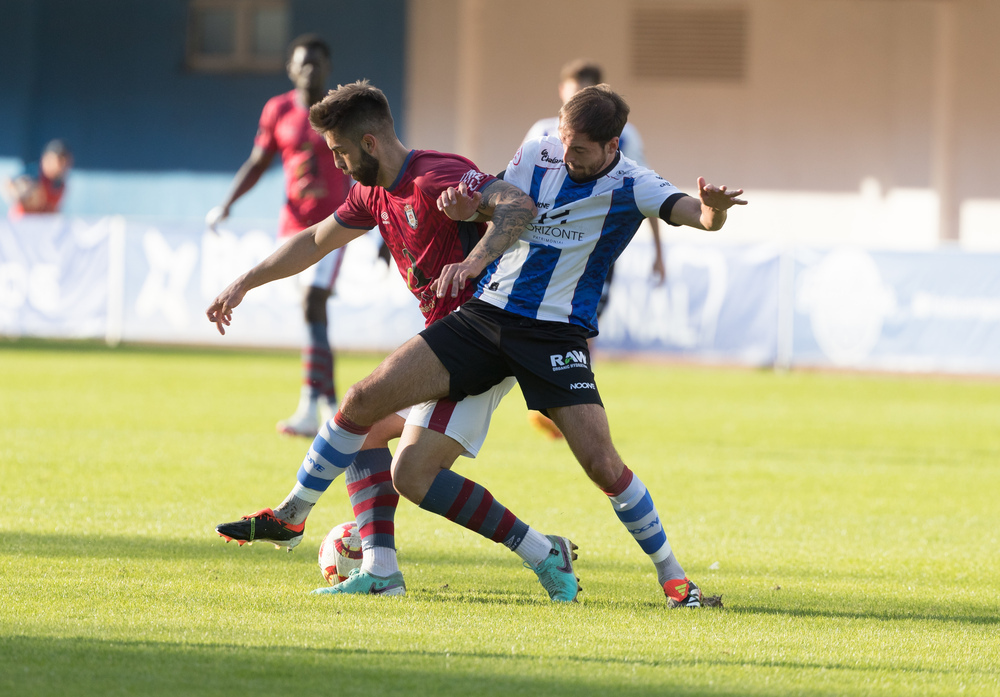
(409, 481)
(314, 305)
(406, 485)
(414, 470)
(603, 469)
(357, 405)
(314, 313)
(313, 316)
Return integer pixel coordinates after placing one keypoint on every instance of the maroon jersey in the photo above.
(421, 238)
(314, 186)
(49, 193)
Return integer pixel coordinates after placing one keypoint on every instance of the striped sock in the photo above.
(634, 507)
(462, 501)
(317, 363)
(374, 500)
(331, 452)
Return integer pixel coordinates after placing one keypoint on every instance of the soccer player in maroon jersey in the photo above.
(398, 190)
(314, 187)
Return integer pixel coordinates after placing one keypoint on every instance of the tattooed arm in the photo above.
(509, 211)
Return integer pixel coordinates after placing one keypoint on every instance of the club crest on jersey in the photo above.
(411, 217)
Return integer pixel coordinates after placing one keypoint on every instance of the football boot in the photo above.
(555, 572)
(262, 525)
(364, 583)
(682, 592)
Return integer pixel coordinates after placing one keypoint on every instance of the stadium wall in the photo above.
(866, 122)
(869, 119)
(150, 136)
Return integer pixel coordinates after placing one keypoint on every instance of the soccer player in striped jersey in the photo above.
(574, 76)
(398, 190)
(540, 291)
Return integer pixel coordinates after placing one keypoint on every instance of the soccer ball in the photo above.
(340, 552)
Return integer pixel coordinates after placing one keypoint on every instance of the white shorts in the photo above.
(465, 422)
(323, 274)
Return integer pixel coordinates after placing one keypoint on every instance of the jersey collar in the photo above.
(402, 170)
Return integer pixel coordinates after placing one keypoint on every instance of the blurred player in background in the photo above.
(314, 187)
(575, 76)
(398, 190)
(41, 192)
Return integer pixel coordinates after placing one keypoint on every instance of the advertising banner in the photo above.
(128, 280)
(905, 311)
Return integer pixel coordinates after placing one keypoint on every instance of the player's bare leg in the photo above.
(588, 435)
(409, 375)
(421, 454)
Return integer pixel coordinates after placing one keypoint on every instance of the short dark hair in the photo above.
(353, 110)
(309, 41)
(586, 73)
(598, 112)
(59, 147)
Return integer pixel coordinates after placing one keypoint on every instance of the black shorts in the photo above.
(480, 345)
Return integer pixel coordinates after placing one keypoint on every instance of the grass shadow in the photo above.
(982, 616)
(42, 666)
(110, 546)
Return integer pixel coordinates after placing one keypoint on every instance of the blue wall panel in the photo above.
(109, 77)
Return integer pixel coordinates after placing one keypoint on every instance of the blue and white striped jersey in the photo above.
(555, 270)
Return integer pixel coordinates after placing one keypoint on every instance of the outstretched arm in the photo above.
(708, 211)
(659, 267)
(25, 191)
(247, 175)
(297, 254)
(509, 210)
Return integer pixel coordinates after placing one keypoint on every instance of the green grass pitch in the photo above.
(851, 523)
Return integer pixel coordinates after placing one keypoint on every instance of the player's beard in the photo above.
(575, 174)
(581, 174)
(366, 173)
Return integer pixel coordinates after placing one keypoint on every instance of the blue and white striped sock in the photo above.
(634, 507)
(331, 452)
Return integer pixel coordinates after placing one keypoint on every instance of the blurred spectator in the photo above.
(43, 191)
